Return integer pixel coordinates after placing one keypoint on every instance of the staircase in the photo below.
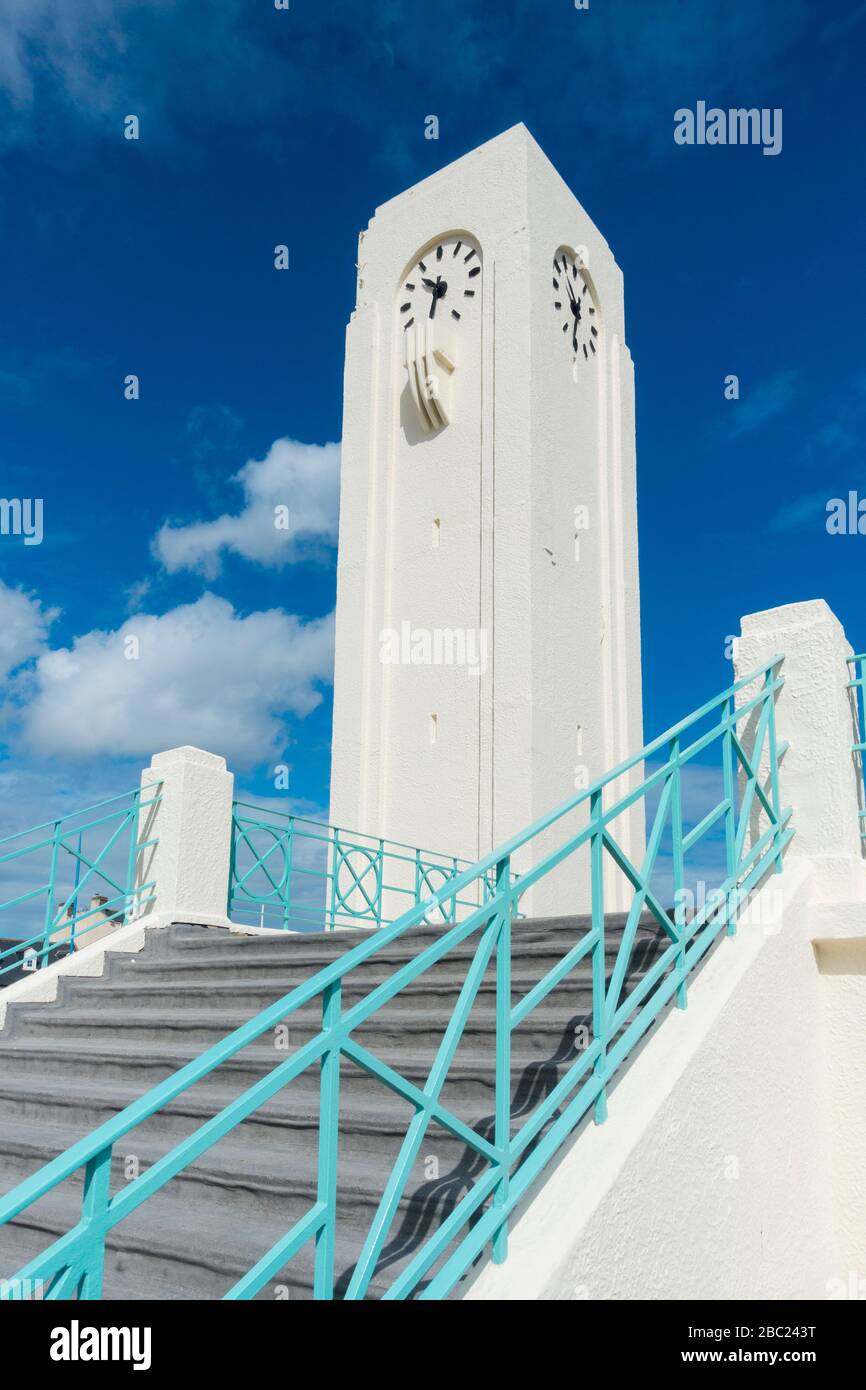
(67, 1066)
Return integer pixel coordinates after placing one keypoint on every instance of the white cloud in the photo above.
(24, 625)
(101, 59)
(766, 401)
(302, 478)
(204, 675)
(68, 39)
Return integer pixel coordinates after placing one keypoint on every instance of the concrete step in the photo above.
(67, 1066)
(114, 1029)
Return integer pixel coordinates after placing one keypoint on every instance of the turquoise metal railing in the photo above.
(756, 832)
(97, 852)
(858, 748)
(291, 872)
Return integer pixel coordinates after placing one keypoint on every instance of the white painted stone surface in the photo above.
(840, 949)
(814, 712)
(471, 528)
(192, 824)
(89, 960)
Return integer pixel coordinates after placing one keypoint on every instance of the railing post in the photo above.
(599, 971)
(418, 877)
(133, 905)
(192, 825)
(452, 916)
(502, 1137)
(329, 1132)
(380, 881)
(730, 793)
(49, 903)
(678, 865)
(97, 1180)
(290, 864)
(334, 852)
(774, 768)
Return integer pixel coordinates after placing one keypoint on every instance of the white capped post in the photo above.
(815, 714)
(192, 826)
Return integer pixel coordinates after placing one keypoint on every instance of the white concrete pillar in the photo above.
(192, 825)
(815, 713)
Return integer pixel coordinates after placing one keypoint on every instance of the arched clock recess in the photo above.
(439, 311)
(576, 309)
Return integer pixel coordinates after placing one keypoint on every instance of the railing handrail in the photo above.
(92, 1149)
(73, 815)
(343, 830)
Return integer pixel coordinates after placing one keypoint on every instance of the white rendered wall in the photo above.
(527, 444)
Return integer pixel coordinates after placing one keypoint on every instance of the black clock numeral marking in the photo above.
(555, 283)
(438, 253)
(592, 345)
(456, 250)
(556, 266)
(421, 265)
(404, 308)
(557, 304)
(565, 328)
(454, 314)
(476, 270)
(574, 270)
(585, 353)
(409, 322)
(593, 330)
(409, 285)
(592, 311)
(468, 294)
(469, 257)
(585, 288)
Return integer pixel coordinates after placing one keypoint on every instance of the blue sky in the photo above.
(155, 257)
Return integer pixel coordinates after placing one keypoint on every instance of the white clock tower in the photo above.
(488, 622)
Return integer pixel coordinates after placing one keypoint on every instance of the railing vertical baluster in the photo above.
(455, 871)
(232, 859)
(418, 877)
(855, 670)
(130, 912)
(730, 793)
(329, 1131)
(678, 863)
(290, 865)
(74, 918)
(599, 971)
(334, 850)
(97, 1180)
(774, 767)
(380, 880)
(502, 1137)
(49, 905)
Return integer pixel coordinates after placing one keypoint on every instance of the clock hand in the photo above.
(438, 292)
(575, 303)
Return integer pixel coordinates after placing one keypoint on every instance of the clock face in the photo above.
(575, 306)
(443, 284)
